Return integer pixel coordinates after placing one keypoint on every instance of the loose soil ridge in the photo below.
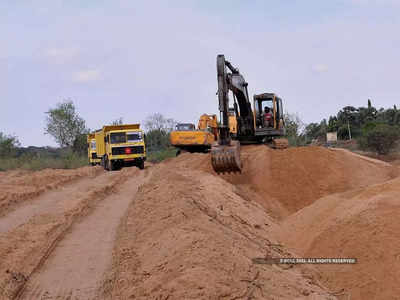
(188, 233)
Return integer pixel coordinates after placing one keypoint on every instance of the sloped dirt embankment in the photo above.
(191, 234)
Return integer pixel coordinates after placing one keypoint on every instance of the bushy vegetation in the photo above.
(157, 140)
(8, 145)
(40, 158)
(64, 124)
(158, 156)
(379, 137)
(375, 129)
(294, 127)
(67, 128)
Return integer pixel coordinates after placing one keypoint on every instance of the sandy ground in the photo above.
(85, 251)
(362, 223)
(19, 185)
(177, 230)
(79, 223)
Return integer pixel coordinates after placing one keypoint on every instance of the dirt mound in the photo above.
(362, 224)
(18, 185)
(284, 181)
(26, 247)
(189, 235)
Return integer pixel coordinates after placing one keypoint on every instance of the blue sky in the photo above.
(130, 59)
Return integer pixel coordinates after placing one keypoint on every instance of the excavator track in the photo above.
(281, 143)
(226, 158)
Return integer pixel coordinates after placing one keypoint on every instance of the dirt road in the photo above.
(176, 230)
(73, 229)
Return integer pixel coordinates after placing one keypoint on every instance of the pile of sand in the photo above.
(189, 235)
(362, 224)
(193, 234)
(284, 181)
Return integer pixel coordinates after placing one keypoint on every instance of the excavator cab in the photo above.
(275, 125)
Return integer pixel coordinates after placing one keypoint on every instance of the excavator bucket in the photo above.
(280, 143)
(226, 158)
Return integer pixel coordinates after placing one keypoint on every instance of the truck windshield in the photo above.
(118, 137)
(134, 136)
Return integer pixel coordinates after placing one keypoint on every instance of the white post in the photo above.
(348, 127)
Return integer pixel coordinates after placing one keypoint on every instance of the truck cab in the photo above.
(121, 145)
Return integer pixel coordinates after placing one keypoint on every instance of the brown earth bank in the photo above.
(189, 235)
(296, 177)
(19, 185)
(362, 224)
(176, 230)
(25, 247)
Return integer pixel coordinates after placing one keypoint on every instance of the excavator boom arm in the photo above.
(235, 82)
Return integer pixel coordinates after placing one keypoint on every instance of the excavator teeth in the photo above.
(226, 158)
(281, 143)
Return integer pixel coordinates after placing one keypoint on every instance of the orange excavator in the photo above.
(263, 124)
(187, 138)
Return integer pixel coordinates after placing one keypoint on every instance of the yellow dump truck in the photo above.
(92, 152)
(119, 145)
(186, 137)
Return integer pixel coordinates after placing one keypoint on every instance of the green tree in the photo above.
(118, 121)
(64, 124)
(332, 124)
(80, 145)
(294, 127)
(157, 131)
(8, 145)
(381, 138)
(158, 122)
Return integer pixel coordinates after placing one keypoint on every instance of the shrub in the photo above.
(37, 162)
(158, 156)
(381, 138)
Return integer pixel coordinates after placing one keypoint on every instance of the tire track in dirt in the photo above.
(18, 187)
(55, 201)
(25, 248)
(76, 267)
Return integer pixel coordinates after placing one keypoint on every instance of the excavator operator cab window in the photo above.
(261, 108)
(185, 127)
(268, 113)
(269, 104)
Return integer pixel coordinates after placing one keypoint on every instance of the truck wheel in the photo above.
(104, 162)
(141, 165)
(111, 165)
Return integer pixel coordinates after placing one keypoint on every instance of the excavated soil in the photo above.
(189, 235)
(284, 181)
(362, 224)
(177, 230)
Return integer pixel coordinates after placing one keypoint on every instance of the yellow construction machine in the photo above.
(92, 153)
(264, 123)
(118, 145)
(186, 137)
